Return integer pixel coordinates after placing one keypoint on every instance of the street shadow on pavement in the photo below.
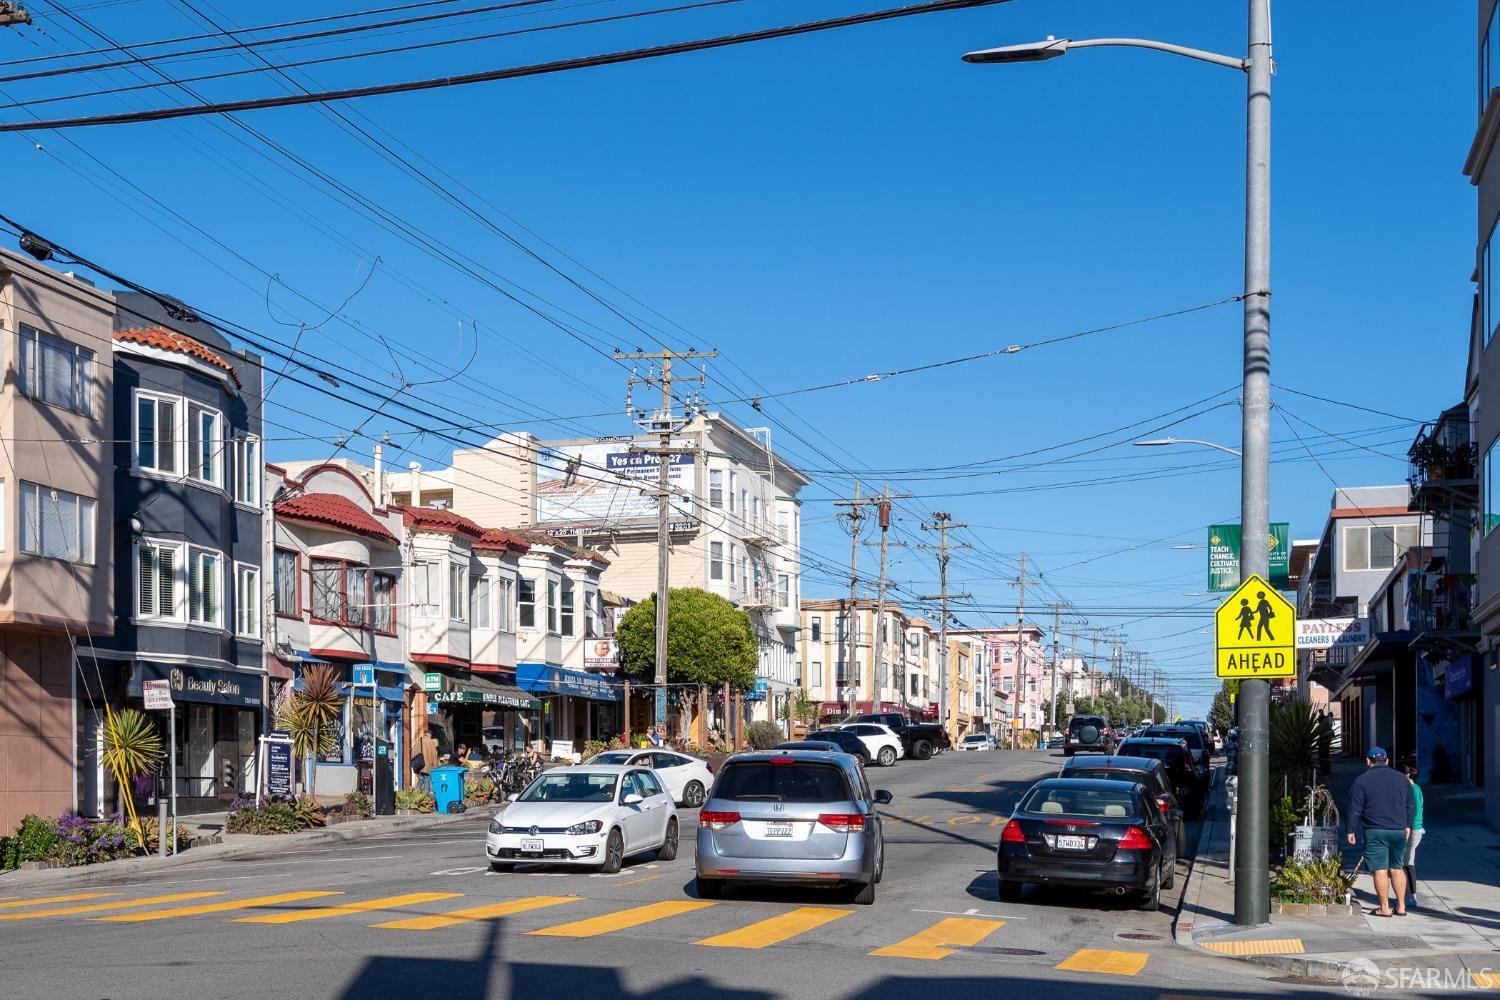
(985, 886)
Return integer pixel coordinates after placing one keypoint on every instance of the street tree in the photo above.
(709, 641)
(1221, 712)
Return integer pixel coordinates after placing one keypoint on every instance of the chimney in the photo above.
(379, 475)
(416, 484)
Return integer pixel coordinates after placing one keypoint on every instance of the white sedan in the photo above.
(881, 741)
(977, 741)
(687, 778)
(595, 815)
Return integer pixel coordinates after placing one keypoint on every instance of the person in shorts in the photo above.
(1382, 810)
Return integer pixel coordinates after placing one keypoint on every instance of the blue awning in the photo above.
(545, 679)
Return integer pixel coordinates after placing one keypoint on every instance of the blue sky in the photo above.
(826, 206)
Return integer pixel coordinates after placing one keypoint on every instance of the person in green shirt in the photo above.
(1415, 838)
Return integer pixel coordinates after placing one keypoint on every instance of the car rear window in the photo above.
(1159, 751)
(1094, 721)
(1136, 777)
(763, 781)
(1098, 803)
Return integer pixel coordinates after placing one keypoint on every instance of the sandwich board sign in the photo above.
(1255, 633)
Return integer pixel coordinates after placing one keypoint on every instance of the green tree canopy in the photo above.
(709, 641)
(1221, 712)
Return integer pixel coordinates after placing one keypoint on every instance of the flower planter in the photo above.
(1315, 909)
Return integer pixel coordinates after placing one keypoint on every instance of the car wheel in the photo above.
(692, 795)
(614, 853)
(500, 867)
(668, 849)
(1151, 898)
(1181, 839)
(865, 894)
(922, 750)
(1067, 753)
(708, 888)
(1010, 892)
(1171, 879)
(887, 756)
(880, 864)
(864, 759)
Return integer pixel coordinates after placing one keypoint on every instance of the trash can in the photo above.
(448, 788)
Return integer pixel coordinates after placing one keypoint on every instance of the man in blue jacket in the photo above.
(1381, 807)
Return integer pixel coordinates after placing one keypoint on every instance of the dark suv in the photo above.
(1088, 734)
(1189, 782)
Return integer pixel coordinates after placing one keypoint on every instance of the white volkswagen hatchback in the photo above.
(593, 815)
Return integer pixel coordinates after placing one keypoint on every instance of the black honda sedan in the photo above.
(1088, 833)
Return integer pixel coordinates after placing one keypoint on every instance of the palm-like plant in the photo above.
(132, 746)
(1296, 737)
(309, 738)
(322, 700)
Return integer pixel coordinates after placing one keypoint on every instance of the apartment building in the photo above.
(56, 498)
(734, 529)
(1017, 656)
(839, 667)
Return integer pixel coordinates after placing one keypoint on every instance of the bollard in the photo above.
(161, 826)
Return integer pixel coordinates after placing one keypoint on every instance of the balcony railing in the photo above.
(759, 598)
(1443, 467)
(1440, 603)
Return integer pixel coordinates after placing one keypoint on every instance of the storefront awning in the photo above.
(1379, 655)
(205, 685)
(444, 689)
(544, 679)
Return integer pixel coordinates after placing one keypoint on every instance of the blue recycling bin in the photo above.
(448, 787)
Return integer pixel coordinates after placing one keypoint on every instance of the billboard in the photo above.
(1224, 556)
(602, 481)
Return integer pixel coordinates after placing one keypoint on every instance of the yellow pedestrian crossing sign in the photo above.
(1255, 633)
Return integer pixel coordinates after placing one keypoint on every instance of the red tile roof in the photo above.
(334, 511)
(170, 340)
(558, 542)
(501, 540)
(436, 519)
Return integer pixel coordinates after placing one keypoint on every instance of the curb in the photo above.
(235, 845)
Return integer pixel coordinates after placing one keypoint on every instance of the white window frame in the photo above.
(1368, 530)
(247, 471)
(815, 673)
(178, 611)
(178, 445)
(82, 376)
(552, 607)
(567, 611)
(481, 601)
(375, 577)
(194, 553)
(522, 583)
(716, 487)
(195, 410)
(734, 485)
(247, 601)
(86, 528)
(503, 620)
(716, 560)
(458, 591)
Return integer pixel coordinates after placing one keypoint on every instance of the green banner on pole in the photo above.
(1224, 556)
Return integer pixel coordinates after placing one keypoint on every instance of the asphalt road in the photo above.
(406, 916)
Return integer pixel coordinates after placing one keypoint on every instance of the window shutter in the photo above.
(147, 582)
(195, 588)
(210, 573)
(166, 582)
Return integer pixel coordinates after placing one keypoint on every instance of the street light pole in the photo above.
(1252, 888)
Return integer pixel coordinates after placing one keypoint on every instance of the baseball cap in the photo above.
(1375, 753)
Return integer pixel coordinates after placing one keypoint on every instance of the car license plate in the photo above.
(532, 846)
(1066, 843)
(778, 829)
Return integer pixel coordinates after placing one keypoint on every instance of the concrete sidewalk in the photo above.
(1449, 941)
(234, 845)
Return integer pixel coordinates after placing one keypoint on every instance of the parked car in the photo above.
(977, 741)
(1056, 742)
(1189, 782)
(1148, 771)
(687, 778)
(1218, 743)
(920, 739)
(791, 817)
(881, 742)
(822, 746)
(1088, 733)
(1090, 834)
(591, 814)
(1192, 736)
(844, 740)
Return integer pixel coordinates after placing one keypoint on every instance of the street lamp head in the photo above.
(1025, 52)
(1155, 442)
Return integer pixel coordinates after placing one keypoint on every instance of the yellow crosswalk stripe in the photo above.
(224, 907)
(64, 911)
(1113, 963)
(319, 912)
(55, 899)
(489, 911)
(942, 938)
(777, 929)
(633, 917)
(1486, 980)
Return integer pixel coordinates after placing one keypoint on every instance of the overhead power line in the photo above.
(506, 73)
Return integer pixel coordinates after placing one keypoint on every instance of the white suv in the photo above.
(881, 741)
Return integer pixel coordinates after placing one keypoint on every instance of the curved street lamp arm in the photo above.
(1177, 50)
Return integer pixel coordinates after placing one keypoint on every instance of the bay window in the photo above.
(384, 599)
(247, 600)
(567, 610)
(205, 440)
(287, 587)
(502, 620)
(156, 580)
(205, 597)
(552, 606)
(479, 601)
(526, 602)
(247, 471)
(427, 589)
(458, 592)
(156, 433)
(356, 594)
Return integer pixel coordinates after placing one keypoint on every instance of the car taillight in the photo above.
(1012, 834)
(718, 820)
(1135, 839)
(843, 822)
(1163, 805)
(783, 760)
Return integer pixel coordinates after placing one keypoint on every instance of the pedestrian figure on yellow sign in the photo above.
(1246, 616)
(1265, 613)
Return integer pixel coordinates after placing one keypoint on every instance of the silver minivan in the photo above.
(791, 817)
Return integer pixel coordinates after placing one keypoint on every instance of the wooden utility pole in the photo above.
(848, 639)
(943, 523)
(1020, 654)
(1052, 707)
(664, 424)
(883, 503)
(1073, 647)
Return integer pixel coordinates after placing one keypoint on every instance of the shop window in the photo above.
(198, 774)
(458, 592)
(566, 609)
(288, 587)
(336, 753)
(156, 580)
(247, 600)
(156, 437)
(385, 603)
(526, 602)
(57, 371)
(479, 601)
(57, 524)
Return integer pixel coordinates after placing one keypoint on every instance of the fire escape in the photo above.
(1445, 487)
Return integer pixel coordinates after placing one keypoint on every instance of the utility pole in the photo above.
(883, 504)
(847, 643)
(1015, 715)
(943, 523)
(1073, 647)
(664, 424)
(1052, 708)
(12, 14)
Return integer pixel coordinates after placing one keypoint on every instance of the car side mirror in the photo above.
(512, 797)
(632, 799)
(882, 797)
